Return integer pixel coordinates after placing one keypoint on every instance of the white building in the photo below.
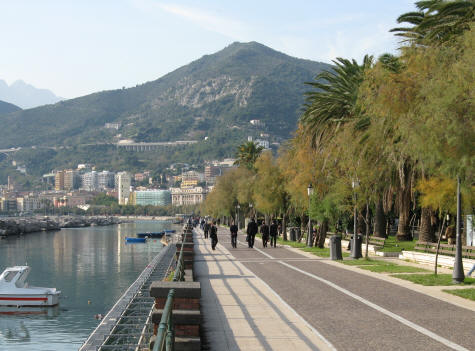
(122, 186)
(89, 181)
(188, 196)
(106, 180)
(27, 204)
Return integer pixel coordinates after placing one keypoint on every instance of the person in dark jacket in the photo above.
(273, 233)
(213, 234)
(206, 229)
(251, 233)
(265, 234)
(234, 232)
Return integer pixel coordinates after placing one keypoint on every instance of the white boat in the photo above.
(14, 290)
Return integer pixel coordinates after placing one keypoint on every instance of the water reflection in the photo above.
(91, 266)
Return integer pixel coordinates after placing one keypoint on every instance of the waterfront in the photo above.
(91, 266)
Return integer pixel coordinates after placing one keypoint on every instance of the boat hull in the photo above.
(135, 240)
(29, 299)
(150, 235)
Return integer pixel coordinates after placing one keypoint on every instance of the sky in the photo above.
(74, 48)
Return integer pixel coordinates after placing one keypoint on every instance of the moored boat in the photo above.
(150, 235)
(134, 240)
(14, 290)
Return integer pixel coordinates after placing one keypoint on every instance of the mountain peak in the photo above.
(26, 95)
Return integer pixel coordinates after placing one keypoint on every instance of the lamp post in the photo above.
(237, 216)
(355, 248)
(250, 210)
(458, 275)
(309, 236)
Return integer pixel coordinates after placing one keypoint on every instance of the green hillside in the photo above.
(224, 90)
(6, 107)
(214, 97)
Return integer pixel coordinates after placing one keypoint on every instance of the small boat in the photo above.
(170, 231)
(135, 240)
(14, 290)
(150, 235)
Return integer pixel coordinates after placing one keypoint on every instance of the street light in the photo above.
(237, 216)
(355, 249)
(309, 236)
(458, 275)
(250, 210)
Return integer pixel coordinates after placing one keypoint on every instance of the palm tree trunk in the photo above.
(426, 233)
(284, 227)
(403, 230)
(322, 233)
(404, 202)
(379, 220)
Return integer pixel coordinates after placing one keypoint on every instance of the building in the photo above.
(152, 197)
(188, 196)
(28, 204)
(71, 180)
(8, 204)
(106, 180)
(211, 172)
(71, 200)
(59, 181)
(89, 181)
(263, 143)
(122, 185)
(115, 126)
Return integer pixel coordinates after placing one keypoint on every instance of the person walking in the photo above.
(471, 270)
(265, 234)
(251, 233)
(206, 229)
(273, 230)
(234, 232)
(213, 233)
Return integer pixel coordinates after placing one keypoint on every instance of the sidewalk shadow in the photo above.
(209, 335)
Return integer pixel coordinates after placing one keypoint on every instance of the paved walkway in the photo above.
(343, 309)
(240, 312)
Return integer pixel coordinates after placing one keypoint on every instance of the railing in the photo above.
(166, 332)
(165, 340)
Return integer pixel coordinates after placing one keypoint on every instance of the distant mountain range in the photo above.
(26, 95)
(218, 94)
(6, 107)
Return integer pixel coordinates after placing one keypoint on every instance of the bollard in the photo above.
(335, 248)
(292, 234)
(356, 251)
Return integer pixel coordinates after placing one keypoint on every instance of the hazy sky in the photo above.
(76, 47)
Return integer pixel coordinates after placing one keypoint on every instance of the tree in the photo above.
(247, 154)
(333, 100)
(436, 21)
(268, 189)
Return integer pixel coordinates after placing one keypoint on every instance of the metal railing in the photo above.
(165, 340)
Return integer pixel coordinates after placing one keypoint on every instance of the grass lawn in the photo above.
(392, 245)
(366, 262)
(432, 279)
(393, 268)
(465, 293)
(325, 252)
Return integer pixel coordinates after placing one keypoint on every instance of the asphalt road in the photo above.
(355, 311)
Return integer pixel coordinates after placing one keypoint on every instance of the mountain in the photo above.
(216, 93)
(26, 95)
(6, 107)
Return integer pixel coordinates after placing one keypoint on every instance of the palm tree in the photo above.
(333, 102)
(436, 21)
(247, 154)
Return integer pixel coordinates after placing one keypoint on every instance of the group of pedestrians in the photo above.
(268, 232)
(210, 230)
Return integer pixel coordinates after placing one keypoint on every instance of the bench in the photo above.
(377, 242)
(445, 249)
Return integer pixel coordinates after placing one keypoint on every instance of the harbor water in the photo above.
(91, 266)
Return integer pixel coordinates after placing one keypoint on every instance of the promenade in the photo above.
(282, 299)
